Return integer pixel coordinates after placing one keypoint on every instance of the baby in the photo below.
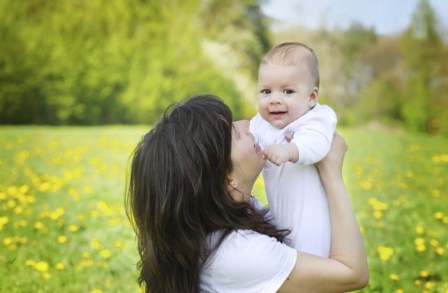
(288, 90)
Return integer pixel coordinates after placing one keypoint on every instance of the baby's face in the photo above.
(284, 93)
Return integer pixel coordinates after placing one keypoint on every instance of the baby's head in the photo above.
(288, 83)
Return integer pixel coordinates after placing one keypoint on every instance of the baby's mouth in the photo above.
(278, 112)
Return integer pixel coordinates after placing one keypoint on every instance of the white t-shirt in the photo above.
(247, 262)
(296, 196)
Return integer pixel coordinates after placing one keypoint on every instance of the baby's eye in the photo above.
(288, 92)
(265, 91)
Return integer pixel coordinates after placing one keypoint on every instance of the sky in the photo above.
(386, 16)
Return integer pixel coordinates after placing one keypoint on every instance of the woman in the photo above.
(199, 228)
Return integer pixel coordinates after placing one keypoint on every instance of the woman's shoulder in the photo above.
(247, 247)
(248, 258)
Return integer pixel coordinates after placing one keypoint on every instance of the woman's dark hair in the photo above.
(178, 194)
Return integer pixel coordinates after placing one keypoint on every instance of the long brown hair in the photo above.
(178, 194)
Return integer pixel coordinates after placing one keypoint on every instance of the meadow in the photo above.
(63, 227)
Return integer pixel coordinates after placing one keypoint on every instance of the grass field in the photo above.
(63, 227)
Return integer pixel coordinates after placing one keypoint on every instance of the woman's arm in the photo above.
(347, 268)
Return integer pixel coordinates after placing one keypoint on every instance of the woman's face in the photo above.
(247, 157)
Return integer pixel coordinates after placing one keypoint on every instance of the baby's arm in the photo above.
(281, 153)
(310, 141)
(314, 135)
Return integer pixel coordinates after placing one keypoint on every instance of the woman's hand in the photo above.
(331, 165)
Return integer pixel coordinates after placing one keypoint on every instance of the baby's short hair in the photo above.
(291, 53)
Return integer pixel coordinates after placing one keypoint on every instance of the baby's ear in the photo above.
(313, 97)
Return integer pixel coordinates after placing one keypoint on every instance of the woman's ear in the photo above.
(313, 97)
(232, 182)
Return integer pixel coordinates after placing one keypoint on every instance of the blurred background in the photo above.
(102, 71)
(102, 62)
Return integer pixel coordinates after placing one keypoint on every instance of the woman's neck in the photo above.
(240, 193)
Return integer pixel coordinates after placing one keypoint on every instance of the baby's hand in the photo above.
(278, 153)
(289, 136)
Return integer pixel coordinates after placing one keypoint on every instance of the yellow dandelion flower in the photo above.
(56, 214)
(366, 185)
(8, 241)
(86, 263)
(24, 189)
(62, 239)
(435, 192)
(96, 291)
(87, 189)
(45, 186)
(103, 206)
(46, 276)
(21, 240)
(119, 244)
(30, 263)
(440, 250)
(377, 214)
(419, 241)
(385, 252)
(438, 215)
(12, 247)
(2, 195)
(60, 266)
(419, 230)
(399, 291)
(114, 222)
(38, 225)
(394, 277)
(104, 253)
(4, 220)
(421, 247)
(12, 190)
(41, 266)
(21, 223)
(434, 242)
(417, 282)
(18, 210)
(73, 228)
(11, 204)
(30, 199)
(74, 194)
(429, 285)
(410, 174)
(95, 244)
(424, 274)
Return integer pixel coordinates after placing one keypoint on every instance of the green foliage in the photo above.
(422, 64)
(100, 62)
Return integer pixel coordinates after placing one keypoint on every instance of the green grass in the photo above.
(63, 227)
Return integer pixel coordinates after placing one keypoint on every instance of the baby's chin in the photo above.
(280, 124)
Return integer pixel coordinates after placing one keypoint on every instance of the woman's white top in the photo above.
(247, 261)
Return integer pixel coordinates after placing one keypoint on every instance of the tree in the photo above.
(423, 54)
(121, 61)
